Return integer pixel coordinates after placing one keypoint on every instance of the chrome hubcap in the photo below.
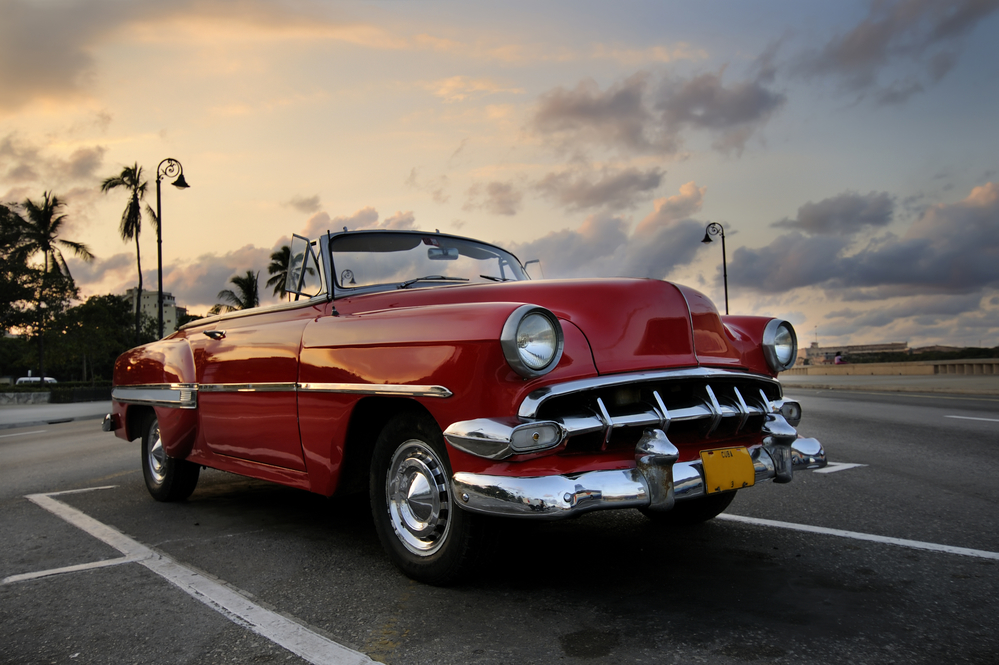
(156, 457)
(418, 499)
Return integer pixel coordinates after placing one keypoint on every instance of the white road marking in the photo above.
(988, 420)
(901, 542)
(236, 607)
(68, 569)
(833, 467)
(41, 431)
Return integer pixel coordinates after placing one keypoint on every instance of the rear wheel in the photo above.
(424, 533)
(167, 478)
(692, 511)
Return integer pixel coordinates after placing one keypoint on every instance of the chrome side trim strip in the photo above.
(247, 387)
(185, 395)
(174, 395)
(529, 407)
(376, 389)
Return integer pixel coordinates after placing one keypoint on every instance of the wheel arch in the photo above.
(368, 418)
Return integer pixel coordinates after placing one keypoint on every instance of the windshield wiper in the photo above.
(432, 278)
(497, 279)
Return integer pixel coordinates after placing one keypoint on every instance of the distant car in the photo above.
(28, 380)
(430, 371)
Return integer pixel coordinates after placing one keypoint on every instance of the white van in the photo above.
(27, 380)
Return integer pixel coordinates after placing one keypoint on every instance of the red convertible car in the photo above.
(430, 371)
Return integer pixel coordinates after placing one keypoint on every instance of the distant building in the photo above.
(938, 349)
(824, 355)
(149, 306)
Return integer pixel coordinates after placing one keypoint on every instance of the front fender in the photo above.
(159, 364)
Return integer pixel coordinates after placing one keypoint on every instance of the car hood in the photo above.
(630, 324)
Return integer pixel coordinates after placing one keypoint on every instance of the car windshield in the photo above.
(418, 259)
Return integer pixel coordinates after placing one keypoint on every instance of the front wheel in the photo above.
(692, 511)
(167, 478)
(424, 533)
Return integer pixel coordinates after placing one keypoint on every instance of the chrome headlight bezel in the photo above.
(511, 350)
(770, 336)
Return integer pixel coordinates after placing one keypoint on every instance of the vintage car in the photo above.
(430, 371)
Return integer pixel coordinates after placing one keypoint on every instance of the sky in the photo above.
(850, 150)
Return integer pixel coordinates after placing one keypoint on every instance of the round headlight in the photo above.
(780, 345)
(537, 341)
(532, 341)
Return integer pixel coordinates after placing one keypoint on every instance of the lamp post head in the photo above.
(180, 183)
(707, 238)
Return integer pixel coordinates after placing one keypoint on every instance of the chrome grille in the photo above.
(691, 405)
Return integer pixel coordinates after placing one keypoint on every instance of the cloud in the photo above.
(921, 35)
(463, 88)
(602, 245)
(436, 187)
(631, 57)
(731, 112)
(25, 163)
(498, 198)
(636, 117)
(672, 208)
(45, 50)
(952, 248)
(612, 188)
(114, 274)
(304, 204)
(194, 283)
(618, 117)
(365, 218)
(197, 283)
(844, 214)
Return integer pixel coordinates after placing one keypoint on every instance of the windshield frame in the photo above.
(341, 292)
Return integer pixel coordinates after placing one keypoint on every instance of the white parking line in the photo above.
(69, 569)
(833, 467)
(40, 431)
(901, 542)
(988, 420)
(236, 607)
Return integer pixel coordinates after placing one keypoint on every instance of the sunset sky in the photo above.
(850, 149)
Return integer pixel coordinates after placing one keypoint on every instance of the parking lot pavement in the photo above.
(30, 415)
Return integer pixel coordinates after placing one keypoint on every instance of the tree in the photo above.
(131, 180)
(278, 269)
(85, 340)
(245, 296)
(16, 276)
(40, 234)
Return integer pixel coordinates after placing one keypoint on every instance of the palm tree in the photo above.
(245, 296)
(278, 269)
(130, 179)
(40, 234)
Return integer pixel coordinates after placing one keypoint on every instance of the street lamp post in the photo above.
(716, 229)
(168, 168)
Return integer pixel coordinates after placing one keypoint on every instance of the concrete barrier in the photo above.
(974, 366)
(24, 398)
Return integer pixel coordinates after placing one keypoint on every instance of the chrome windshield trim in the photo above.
(248, 387)
(173, 395)
(376, 389)
(529, 407)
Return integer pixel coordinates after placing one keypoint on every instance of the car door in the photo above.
(248, 375)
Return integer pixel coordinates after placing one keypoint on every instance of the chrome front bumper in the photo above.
(656, 482)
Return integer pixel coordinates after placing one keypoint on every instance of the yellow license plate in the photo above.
(727, 469)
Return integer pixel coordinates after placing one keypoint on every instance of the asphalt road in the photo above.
(605, 588)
